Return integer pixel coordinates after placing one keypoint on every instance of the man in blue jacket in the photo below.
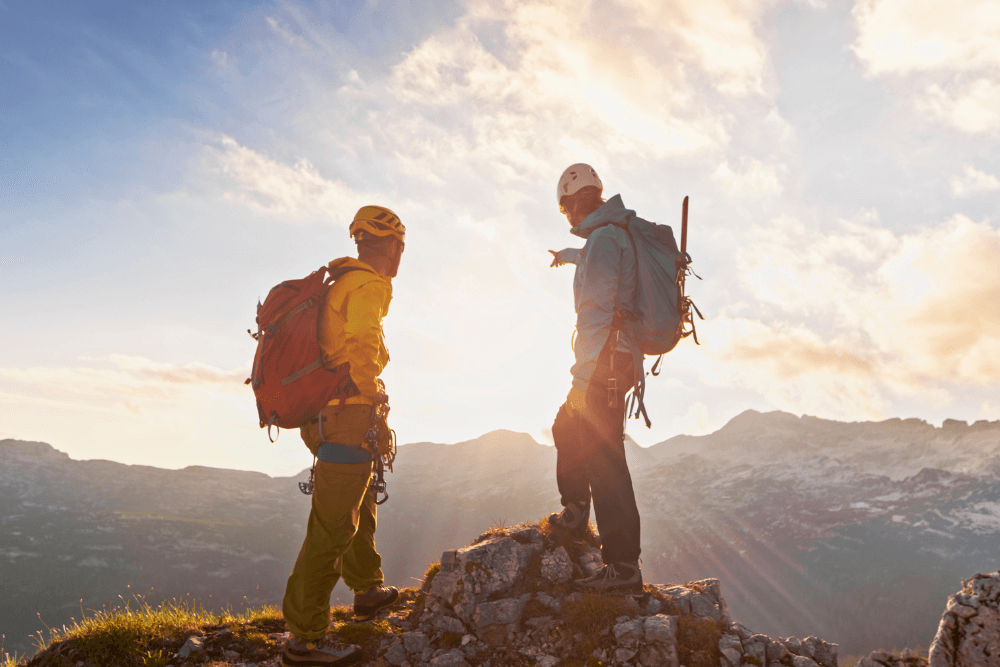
(589, 428)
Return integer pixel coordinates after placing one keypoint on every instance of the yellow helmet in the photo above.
(377, 221)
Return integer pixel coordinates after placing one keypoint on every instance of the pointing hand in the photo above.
(565, 256)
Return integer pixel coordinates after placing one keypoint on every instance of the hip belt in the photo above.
(332, 452)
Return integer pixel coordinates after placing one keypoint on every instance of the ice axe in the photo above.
(684, 226)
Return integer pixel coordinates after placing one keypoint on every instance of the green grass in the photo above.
(137, 634)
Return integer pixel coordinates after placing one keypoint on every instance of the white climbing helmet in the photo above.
(575, 178)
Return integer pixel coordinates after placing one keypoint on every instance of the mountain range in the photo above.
(855, 532)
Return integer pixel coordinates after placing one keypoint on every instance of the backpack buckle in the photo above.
(612, 393)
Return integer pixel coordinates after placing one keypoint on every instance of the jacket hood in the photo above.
(611, 211)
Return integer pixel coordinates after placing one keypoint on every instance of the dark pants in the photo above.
(590, 460)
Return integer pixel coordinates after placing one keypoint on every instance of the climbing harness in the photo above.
(333, 452)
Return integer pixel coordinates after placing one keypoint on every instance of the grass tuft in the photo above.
(698, 641)
(137, 634)
(591, 615)
(429, 574)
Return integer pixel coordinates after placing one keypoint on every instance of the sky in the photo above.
(163, 165)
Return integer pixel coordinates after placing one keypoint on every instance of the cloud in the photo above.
(796, 269)
(753, 180)
(973, 107)
(553, 89)
(953, 47)
(116, 376)
(191, 373)
(973, 181)
(297, 193)
(907, 36)
(900, 314)
(939, 305)
(797, 368)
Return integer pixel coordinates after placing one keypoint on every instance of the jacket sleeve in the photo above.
(595, 311)
(363, 340)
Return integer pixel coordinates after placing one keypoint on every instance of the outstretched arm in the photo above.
(565, 256)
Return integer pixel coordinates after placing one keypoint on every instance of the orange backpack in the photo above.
(289, 380)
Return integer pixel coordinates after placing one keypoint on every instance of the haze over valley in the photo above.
(856, 532)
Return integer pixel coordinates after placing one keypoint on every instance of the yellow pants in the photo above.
(340, 537)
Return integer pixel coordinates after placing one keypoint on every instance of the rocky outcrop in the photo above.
(507, 600)
(905, 658)
(969, 634)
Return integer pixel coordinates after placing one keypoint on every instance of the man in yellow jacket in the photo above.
(340, 538)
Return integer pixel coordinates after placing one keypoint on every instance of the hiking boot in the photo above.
(321, 653)
(369, 603)
(622, 578)
(573, 518)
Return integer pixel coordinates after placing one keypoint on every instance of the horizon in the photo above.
(165, 165)
(272, 475)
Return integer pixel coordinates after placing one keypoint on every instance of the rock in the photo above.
(453, 658)
(415, 642)
(591, 561)
(678, 597)
(471, 602)
(820, 651)
(731, 658)
(499, 612)
(653, 656)
(731, 642)
(661, 630)
(396, 654)
(628, 634)
(529, 534)
(756, 648)
(740, 630)
(969, 632)
(776, 652)
(193, 646)
(479, 571)
(557, 566)
(623, 655)
(449, 624)
(233, 656)
(702, 606)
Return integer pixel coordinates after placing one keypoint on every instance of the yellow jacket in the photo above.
(351, 325)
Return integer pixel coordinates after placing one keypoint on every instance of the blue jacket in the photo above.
(605, 281)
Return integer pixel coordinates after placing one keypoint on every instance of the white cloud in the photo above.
(125, 378)
(296, 193)
(870, 311)
(633, 90)
(973, 181)
(953, 47)
(973, 107)
(753, 179)
(906, 36)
